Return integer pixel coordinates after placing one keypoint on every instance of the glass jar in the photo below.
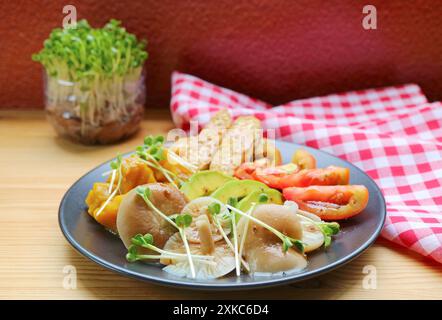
(95, 111)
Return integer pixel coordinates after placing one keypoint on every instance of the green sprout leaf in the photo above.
(141, 154)
(153, 141)
(173, 217)
(328, 229)
(152, 152)
(117, 162)
(159, 139)
(157, 153)
(299, 245)
(232, 202)
(214, 208)
(114, 165)
(132, 254)
(144, 192)
(327, 241)
(141, 240)
(286, 244)
(99, 62)
(183, 220)
(187, 220)
(148, 141)
(263, 198)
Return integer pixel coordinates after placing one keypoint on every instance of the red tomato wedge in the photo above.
(246, 170)
(303, 178)
(330, 202)
(304, 159)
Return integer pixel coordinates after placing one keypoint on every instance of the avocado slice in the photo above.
(203, 183)
(274, 196)
(238, 189)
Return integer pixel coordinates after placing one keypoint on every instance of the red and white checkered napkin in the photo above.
(392, 133)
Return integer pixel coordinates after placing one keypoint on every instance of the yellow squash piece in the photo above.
(95, 200)
(135, 173)
(169, 164)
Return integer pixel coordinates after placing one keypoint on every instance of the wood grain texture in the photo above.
(36, 170)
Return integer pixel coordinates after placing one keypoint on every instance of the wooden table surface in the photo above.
(36, 170)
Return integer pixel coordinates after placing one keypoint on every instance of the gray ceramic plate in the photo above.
(95, 243)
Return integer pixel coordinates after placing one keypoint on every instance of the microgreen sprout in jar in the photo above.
(94, 81)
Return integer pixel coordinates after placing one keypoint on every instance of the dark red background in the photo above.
(274, 50)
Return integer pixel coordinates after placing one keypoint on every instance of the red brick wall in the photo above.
(273, 50)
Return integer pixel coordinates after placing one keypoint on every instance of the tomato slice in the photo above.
(246, 170)
(330, 202)
(304, 159)
(303, 178)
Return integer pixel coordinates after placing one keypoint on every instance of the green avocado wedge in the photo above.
(274, 196)
(203, 183)
(239, 189)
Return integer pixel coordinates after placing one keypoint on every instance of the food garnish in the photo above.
(215, 211)
(264, 250)
(183, 221)
(144, 192)
(272, 195)
(202, 206)
(152, 152)
(135, 216)
(116, 168)
(235, 244)
(95, 200)
(208, 223)
(329, 229)
(262, 198)
(222, 264)
(147, 241)
(287, 242)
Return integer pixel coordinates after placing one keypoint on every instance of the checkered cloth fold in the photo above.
(394, 134)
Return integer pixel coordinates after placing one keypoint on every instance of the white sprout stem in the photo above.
(245, 229)
(105, 174)
(172, 257)
(316, 223)
(162, 170)
(150, 204)
(114, 173)
(308, 215)
(183, 162)
(235, 244)
(112, 195)
(229, 243)
(184, 255)
(189, 256)
(150, 256)
(262, 224)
